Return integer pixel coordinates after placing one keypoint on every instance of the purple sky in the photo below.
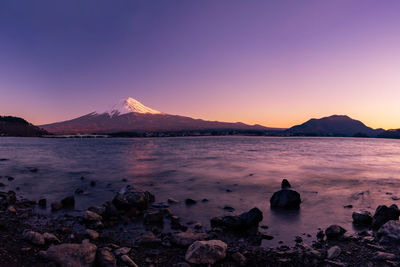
(275, 63)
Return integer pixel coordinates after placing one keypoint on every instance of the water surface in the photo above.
(240, 172)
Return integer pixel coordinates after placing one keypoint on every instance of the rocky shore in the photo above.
(133, 230)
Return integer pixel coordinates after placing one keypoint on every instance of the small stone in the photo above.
(348, 206)
(384, 256)
(335, 263)
(187, 238)
(128, 261)
(11, 209)
(149, 239)
(42, 203)
(93, 235)
(79, 191)
(197, 226)
(333, 252)
(9, 178)
(362, 217)
(33, 169)
(92, 183)
(190, 201)
(92, 216)
(239, 258)
(229, 208)
(172, 200)
(298, 239)
(34, 237)
(82, 255)
(68, 202)
(122, 251)
(206, 252)
(105, 258)
(334, 231)
(51, 238)
(154, 216)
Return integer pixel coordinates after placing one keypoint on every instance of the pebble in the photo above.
(122, 251)
(333, 252)
(128, 261)
(93, 235)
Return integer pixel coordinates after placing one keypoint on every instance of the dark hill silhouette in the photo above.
(336, 125)
(14, 126)
(393, 133)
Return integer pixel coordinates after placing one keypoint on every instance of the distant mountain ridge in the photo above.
(132, 116)
(14, 126)
(335, 125)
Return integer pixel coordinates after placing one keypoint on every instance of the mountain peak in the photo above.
(129, 105)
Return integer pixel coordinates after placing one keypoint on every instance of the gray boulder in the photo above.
(206, 252)
(389, 232)
(130, 197)
(72, 255)
(362, 217)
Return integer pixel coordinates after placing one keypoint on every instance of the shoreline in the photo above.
(131, 221)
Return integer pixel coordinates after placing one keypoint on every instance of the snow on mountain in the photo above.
(127, 106)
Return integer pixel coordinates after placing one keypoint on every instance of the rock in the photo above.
(92, 234)
(186, 238)
(122, 251)
(51, 238)
(105, 258)
(285, 198)
(149, 239)
(229, 208)
(154, 216)
(92, 183)
(198, 226)
(69, 255)
(285, 184)
(79, 191)
(334, 263)
(97, 209)
(10, 178)
(190, 201)
(132, 198)
(239, 258)
(160, 205)
(384, 256)
(348, 206)
(172, 200)
(128, 261)
(333, 252)
(34, 237)
(389, 232)
(11, 209)
(68, 202)
(384, 214)
(206, 252)
(244, 222)
(92, 216)
(33, 169)
(362, 217)
(42, 203)
(334, 231)
(298, 239)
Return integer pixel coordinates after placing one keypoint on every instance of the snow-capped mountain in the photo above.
(130, 115)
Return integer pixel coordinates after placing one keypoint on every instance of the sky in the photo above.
(275, 63)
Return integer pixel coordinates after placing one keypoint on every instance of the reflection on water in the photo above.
(240, 172)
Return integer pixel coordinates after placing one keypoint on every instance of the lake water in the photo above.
(241, 172)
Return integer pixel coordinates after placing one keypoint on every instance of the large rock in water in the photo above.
(362, 217)
(334, 231)
(384, 214)
(130, 197)
(390, 232)
(72, 255)
(285, 198)
(244, 222)
(206, 252)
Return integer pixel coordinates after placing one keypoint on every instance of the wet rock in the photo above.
(92, 216)
(11, 209)
(2, 185)
(198, 226)
(190, 201)
(105, 258)
(34, 237)
(33, 169)
(122, 251)
(160, 205)
(149, 239)
(384, 256)
(92, 234)
(239, 258)
(285, 198)
(42, 203)
(128, 261)
(132, 198)
(229, 208)
(206, 252)
(333, 252)
(334, 231)
(10, 178)
(186, 238)
(110, 211)
(68, 255)
(362, 217)
(204, 200)
(154, 216)
(172, 200)
(92, 183)
(334, 263)
(79, 191)
(348, 206)
(68, 202)
(389, 232)
(384, 214)
(244, 222)
(298, 239)
(97, 209)
(285, 184)
(51, 238)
